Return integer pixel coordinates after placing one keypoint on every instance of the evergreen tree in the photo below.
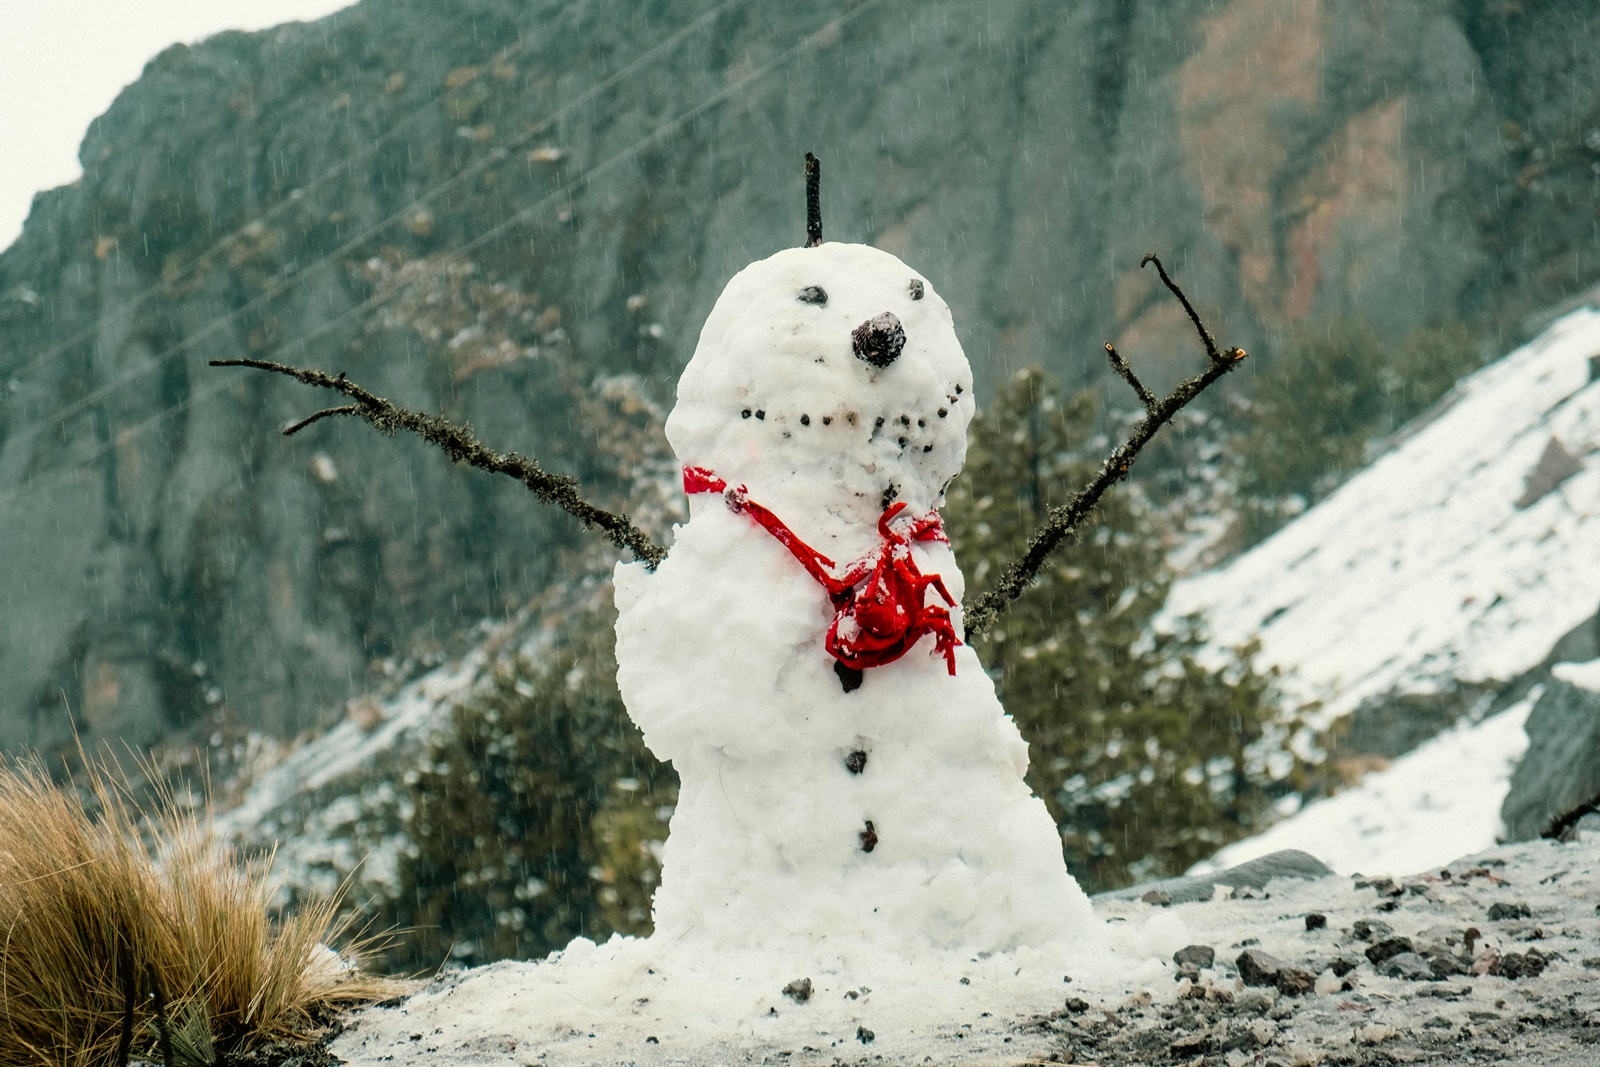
(1148, 759)
(538, 816)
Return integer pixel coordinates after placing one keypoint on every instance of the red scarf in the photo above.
(879, 609)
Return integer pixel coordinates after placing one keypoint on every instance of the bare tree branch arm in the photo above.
(1064, 519)
(462, 446)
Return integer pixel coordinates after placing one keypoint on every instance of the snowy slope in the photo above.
(1432, 805)
(1422, 569)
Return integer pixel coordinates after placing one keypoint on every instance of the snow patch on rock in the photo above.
(1582, 675)
(1437, 563)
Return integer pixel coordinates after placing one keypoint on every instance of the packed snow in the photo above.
(1437, 802)
(852, 852)
(930, 838)
(1461, 555)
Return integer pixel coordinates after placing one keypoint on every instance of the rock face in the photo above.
(1561, 769)
(168, 558)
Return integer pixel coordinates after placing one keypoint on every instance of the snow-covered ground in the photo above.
(1423, 569)
(1507, 942)
(1430, 806)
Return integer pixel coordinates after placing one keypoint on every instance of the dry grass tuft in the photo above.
(121, 934)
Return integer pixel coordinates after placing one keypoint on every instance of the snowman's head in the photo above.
(831, 378)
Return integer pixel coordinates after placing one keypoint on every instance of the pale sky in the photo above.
(62, 62)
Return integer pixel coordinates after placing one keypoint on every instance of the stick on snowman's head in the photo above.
(829, 376)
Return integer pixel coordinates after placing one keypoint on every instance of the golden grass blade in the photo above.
(89, 900)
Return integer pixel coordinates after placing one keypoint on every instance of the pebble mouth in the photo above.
(911, 430)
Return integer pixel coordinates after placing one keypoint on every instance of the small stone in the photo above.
(856, 762)
(1316, 921)
(1294, 982)
(1389, 946)
(869, 838)
(1239, 1039)
(1375, 1033)
(1370, 929)
(1519, 965)
(1258, 968)
(1384, 887)
(865, 1036)
(1502, 910)
(798, 990)
(1254, 1001)
(1445, 963)
(1077, 1005)
(1343, 965)
(1201, 956)
(850, 678)
(1407, 965)
(1159, 897)
(1190, 1045)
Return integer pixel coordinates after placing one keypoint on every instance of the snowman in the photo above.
(848, 776)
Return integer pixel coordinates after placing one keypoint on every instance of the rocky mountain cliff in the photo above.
(355, 193)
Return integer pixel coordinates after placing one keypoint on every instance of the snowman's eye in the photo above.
(916, 288)
(813, 294)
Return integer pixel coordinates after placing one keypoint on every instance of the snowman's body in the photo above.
(721, 657)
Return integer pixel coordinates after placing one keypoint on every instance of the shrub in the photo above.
(121, 932)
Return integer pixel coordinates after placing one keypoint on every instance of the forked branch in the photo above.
(1064, 519)
(462, 446)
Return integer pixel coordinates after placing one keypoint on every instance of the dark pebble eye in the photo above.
(761, 414)
(745, 414)
(827, 420)
(813, 294)
(805, 420)
(927, 448)
(959, 390)
(943, 412)
(916, 288)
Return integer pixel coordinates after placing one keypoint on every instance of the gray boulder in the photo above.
(1254, 874)
(1561, 770)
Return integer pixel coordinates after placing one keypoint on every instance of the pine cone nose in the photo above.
(879, 339)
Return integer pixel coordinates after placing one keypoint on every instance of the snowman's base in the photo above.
(633, 1001)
